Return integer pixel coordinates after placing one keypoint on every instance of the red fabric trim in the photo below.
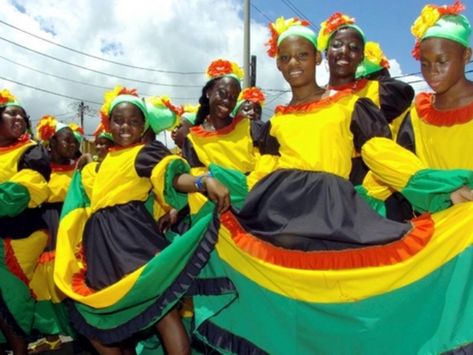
(429, 114)
(117, 148)
(63, 167)
(24, 139)
(201, 132)
(12, 263)
(79, 285)
(47, 257)
(312, 106)
(355, 86)
(379, 255)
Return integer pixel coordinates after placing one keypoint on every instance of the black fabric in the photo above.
(398, 208)
(266, 142)
(256, 128)
(51, 213)
(212, 287)
(189, 153)
(405, 136)
(232, 343)
(184, 221)
(36, 158)
(305, 210)
(367, 122)
(172, 295)
(22, 225)
(149, 156)
(118, 240)
(395, 97)
(358, 171)
(462, 350)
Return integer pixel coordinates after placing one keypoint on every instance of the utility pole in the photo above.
(253, 71)
(246, 43)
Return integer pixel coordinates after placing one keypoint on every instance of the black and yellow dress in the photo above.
(233, 149)
(24, 175)
(306, 262)
(394, 98)
(120, 272)
(51, 314)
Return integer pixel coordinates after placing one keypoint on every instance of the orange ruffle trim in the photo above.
(355, 86)
(12, 263)
(429, 114)
(63, 167)
(379, 255)
(79, 285)
(47, 257)
(199, 131)
(24, 139)
(312, 106)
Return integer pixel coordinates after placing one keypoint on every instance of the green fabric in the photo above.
(190, 117)
(456, 28)
(430, 316)
(234, 180)
(134, 100)
(429, 190)
(52, 318)
(366, 68)
(158, 274)
(106, 135)
(301, 31)
(76, 196)
(173, 197)
(16, 295)
(160, 117)
(355, 27)
(13, 103)
(374, 203)
(14, 199)
(237, 107)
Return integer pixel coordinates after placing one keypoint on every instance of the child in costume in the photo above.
(306, 266)
(24, 175)
(119, 270)
(103, 142)
(439, 127)
(63, 147)
(250, 104)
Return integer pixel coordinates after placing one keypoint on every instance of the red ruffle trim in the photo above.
(355, 87)
(47, 257)
(62, 168)
(24, 139)
(199, 131)
(79, 285)
(312, 106)
(117, 148)
(12, 263)
(373, 256)
(429, 114)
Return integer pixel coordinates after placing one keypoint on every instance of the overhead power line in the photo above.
(297, 12)
(98, 71)
(78, 81)
(100, 58)
(261, 12)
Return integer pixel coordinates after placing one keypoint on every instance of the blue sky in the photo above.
(386, 22)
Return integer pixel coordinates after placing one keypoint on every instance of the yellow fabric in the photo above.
(396, 123)
(43, 284)
(337, 286)
(232, 150)
(376, 188)
(391, 163)
(264, 166)
(371, 91)
(32, 180)
(316, 140)
(443, 147)
(198, 171)
(71, 229)
(88, 175)
(118, 182)
(27, 251)
(58, 185)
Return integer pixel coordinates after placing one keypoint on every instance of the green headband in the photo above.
(12, 103)
(160, 117)
(366, 68)
(355, 27)
(456, 28)
(301, 31)
(190, 117)
(134, 100)
(106, 135)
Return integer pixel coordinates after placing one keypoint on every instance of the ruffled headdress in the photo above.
(283, 28)
(335, 22)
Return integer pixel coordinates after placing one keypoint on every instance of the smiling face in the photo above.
(345, 52)
(102, 145)
(12, 124)
(296, 60)
(64, 145)
(251, 110)
(126, 124)
(223, 97)
(443, 63)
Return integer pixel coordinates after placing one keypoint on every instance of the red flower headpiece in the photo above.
(6, 97)
(333, 23)
(252, 94)
(46, 128)
(277, 28)
(109, 96)
(221, 67)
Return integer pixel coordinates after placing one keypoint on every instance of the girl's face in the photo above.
(345, 52)
(443, 63)
(102, 145)
(126, 124)
(223, 97)
(64, 144)
(12, 123)
(296, 60)
(250, 109)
